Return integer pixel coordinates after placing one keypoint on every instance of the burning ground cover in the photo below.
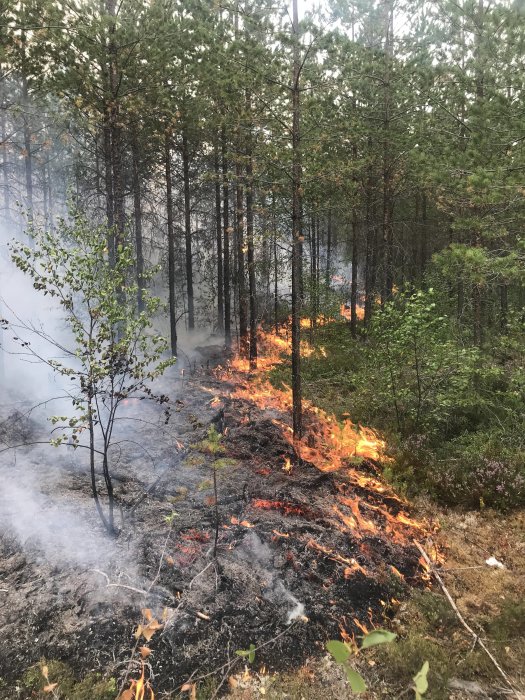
(310, 544)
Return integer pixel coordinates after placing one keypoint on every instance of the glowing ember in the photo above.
(284, 506)
(287, 466)
(243, 523)
(351, 564)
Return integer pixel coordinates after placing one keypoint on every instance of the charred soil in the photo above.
(302, 555)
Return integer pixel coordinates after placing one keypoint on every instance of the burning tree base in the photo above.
(303, 555)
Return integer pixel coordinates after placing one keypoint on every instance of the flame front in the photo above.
(328, 444)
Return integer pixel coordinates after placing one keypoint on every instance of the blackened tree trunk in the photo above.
(328, 248)
(171, 245)
(187, 229)
(241, 272)
(353, 288)
(227, 231)
(275, 268)
(387, 175)
(218, 228)
(28, 152)
(137, 212)
(297, 253)
(369, 242)
(115, 133)
(251, 262)
(108, 186)
(5, 166)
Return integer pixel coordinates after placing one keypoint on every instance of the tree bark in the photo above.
(137, 210)
(353, 288)
(171, 245)
(187, 229)
(218, 236)
(241, 272)
(388, 195)
(251, 262)
(227, 231)
(328, 248)
(28, 153)
(297, 253)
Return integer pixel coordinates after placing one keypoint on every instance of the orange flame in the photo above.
(327, 443)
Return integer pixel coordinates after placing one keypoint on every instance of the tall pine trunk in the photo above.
(218, 236)
(241, 272)
(297, 252)
(28, 153)
(227, 231)
(171, 245)
(251, 262)
(187, 229)
(353, 288)
(137, 214)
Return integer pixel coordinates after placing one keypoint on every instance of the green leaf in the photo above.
(420, 680)
(247, 653)
(377, 637)
(356, 681)
(338, 650)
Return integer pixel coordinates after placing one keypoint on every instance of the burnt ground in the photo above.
(289, 575)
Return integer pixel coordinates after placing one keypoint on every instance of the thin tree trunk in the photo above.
(5, 166)
(171, 245)
(241, 273)
(114, 138)
(187, 229)
(227, 231)
(251, 262)
(328, 248)
(297, 256)
(218, 226)
(353, 288)
(137, 208)
(45, 195)
(28, 153)
(388, 204)
(275, 268)
(368, 252)
(108, 181)
(424, 232)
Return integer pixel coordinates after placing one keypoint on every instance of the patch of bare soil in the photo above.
(302, 556)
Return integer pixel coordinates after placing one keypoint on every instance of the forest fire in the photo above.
(330, 445)
(327, 443)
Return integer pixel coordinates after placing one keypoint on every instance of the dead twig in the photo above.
(476, 637)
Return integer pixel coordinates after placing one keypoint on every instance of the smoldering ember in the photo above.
(262, 320)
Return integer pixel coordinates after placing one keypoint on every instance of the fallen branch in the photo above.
(477, 638)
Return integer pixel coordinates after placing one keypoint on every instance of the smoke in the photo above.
(260, 558)
(41, 501)
(52, 528)
(25, 379)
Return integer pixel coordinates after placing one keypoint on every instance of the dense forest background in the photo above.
(365, 154)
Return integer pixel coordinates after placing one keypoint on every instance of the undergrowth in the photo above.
(452, 415)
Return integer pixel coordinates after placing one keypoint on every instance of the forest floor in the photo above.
(287, 578)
